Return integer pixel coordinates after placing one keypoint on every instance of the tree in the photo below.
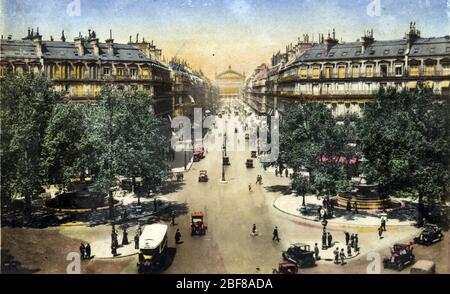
(405, 140)
(68, 151)
(307, 133)
(27, 104)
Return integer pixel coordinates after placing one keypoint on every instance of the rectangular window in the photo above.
(106, 71)
(429, 70)
(398, 70)
(316, 72)
(303, 73)
(446, 69)
(414, 70)
(369, 70)
(327, 72)
(355, 71)
(145, 72)
(383, 70)
(341, 71)
(120, 71)
(133, 72)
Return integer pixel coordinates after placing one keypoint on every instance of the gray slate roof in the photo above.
(57, 50)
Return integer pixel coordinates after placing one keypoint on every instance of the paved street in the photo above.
(228, 246)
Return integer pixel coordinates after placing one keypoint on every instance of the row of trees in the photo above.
(403, 138)
(46, 141)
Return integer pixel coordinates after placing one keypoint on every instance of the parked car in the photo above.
(249, 163)
(203, 177)
(286, 268)
(401, 257)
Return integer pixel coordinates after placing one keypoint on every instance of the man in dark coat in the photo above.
(336, 255)
(355, 206)
(352, 240)
(177, 237)
(316, 252)
(275, 234)
(82, 251)
(349, 250)
(349, 206)
(125, 237)
(347, 238)
(324, 241)
(88, 251)
(342, 256)
(356, 243)
(173, 218)
(380, 232)
(136, 241)
(330, 239)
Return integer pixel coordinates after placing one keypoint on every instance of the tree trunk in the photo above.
(27, 208)
(111, 205)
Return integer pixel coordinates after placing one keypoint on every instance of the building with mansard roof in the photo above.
(81, 67)
(230, 83)
(346, 75)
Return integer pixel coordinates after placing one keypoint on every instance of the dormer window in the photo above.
(386, 52)
(344, 53)
(401, 51)
(331, 54)
(106, 71)
(431, 50)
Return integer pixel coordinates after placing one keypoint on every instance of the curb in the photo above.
(116, 257)
(334, 223)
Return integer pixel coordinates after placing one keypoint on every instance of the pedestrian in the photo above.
(249, 187)
(287, 172)
(316, 252)
(254, 230)
(177, 237)
(352, 240)
(281, 172)
(342, 256)
(276, 172)
(275, 235)
(155, 204)
(125, 237)
(383, 224)
(257, 179)
(324, 241)
(380, 232)
(347, 237)
(330, 239)
(136, 241)
(349, 206)
(113, 249)
(349, 250)
(355, 206)
(260, 179)
(173, 218)
(336, 255)
(139, 230)
(356, 243)
(82, 251)
(88, 251)
(125, 215)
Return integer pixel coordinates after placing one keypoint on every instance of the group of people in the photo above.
(275, 236)
(280, 172)
(85, 251)
(339, 255)
(115, 240)
(351, 241)
(327, 240)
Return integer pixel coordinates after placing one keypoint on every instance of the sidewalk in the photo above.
(290, 204)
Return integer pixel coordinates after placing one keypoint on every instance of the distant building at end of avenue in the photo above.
(347, 75)
(230, 83)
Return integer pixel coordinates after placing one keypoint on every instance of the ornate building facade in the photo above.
(346, 75)
(230, 83)
(81, 67)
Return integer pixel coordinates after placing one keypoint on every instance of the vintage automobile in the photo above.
(401, 257)
(203, 177)
(152, 247)
(198, 226)
(254, 154)
(179, 176)
(249, 163)
(226, 160)
(430, 234)
(286, 268)
(423, 267)
(300, 254)
(199, 154)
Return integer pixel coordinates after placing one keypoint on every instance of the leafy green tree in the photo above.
(405, 140)
(68, 151)
(27, 104)
(307, 133)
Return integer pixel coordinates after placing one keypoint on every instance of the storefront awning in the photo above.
(445, 84)
(411, 85)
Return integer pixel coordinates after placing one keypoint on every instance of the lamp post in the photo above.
(184, 147)
(223, 164)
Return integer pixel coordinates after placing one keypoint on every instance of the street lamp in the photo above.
(223, 164)
(184, 147)
(324, 224)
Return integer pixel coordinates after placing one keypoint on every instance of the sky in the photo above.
(213, 34)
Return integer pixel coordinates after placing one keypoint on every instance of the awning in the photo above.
(192, 99)
(445, 84)
(411, 85)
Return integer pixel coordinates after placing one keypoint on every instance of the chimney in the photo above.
(95, 47)
(330, 42)
(79, 44)
(37, 41)
(367, 40)
(110, 43)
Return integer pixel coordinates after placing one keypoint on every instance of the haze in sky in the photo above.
(212, 34)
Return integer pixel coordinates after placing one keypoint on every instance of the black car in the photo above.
(430, 234)
(300, 254)
(401, 257)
